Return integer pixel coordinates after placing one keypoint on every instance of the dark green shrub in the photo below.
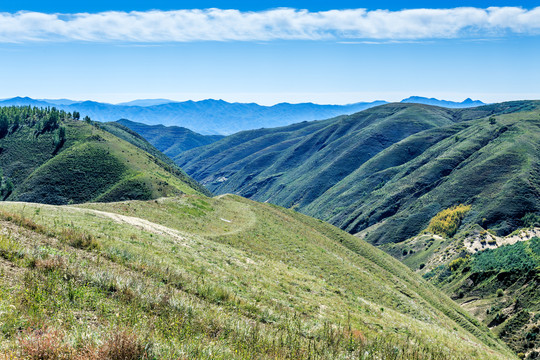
(531, 219)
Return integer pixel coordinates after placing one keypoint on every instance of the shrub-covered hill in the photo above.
(495, 278)
(48, 156)
(221, 278)
(386, 171)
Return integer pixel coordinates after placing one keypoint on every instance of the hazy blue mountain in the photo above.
(59, 101)
(25, 101)
(206, 116)
(147, 102)
(444, 103)
(212, 117)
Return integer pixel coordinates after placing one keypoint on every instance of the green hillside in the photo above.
(170, 140)
(492, 164)
(214, 278)
(294, 165)
(47, 156)
(386, 171)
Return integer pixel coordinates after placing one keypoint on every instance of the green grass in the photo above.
(226, 278)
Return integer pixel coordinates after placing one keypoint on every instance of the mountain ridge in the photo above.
(208, 117)
(170, 140)
(174, 273)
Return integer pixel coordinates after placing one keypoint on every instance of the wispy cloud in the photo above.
(278, 24)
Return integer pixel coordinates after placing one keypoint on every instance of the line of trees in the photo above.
(43, 119)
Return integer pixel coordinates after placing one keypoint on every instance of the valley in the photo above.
(132, 244)
(385, 181)
(386, 171)
(308, 180)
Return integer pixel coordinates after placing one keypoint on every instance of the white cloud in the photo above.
(278, 24)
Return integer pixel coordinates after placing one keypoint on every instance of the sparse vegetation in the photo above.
(504, 282)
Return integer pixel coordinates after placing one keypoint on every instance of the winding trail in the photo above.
(137, 222)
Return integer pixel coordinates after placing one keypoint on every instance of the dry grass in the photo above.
(23, 222)
(43, 344)
(77, 239)
(49, 264)
(49, 344)
(123, 345)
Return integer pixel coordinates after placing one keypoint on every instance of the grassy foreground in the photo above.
(214, 278)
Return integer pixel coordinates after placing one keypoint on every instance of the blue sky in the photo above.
(269, 56)
(315, 5)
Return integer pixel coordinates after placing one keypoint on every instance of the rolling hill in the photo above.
(48, 157)
(486, 158)
(293, 165)
(386, 171)
(222, 278)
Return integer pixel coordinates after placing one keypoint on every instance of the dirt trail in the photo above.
(139, 223)
(124, 219)
(479, 242)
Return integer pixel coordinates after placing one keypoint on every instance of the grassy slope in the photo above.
(493, 167)
(293, 166)
(170, 140)
(164, 161)
(237, 279)
(91, 165)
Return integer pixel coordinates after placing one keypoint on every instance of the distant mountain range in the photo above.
(212, 117)
(444, 103)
